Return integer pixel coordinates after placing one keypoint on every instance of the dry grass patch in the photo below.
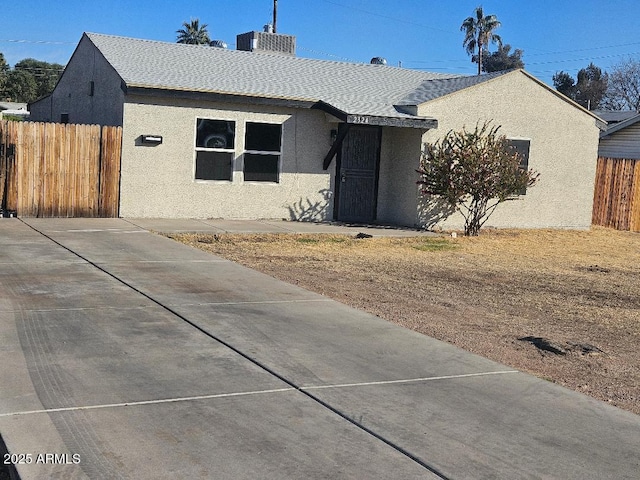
(483, 294)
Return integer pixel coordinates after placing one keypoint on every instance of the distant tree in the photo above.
(21, 86)
(45, 74)
(4, 69)
(193, 33)
(623, 88)
(590, 87)
(564, 83)
(478, 33)
(473, 172)
(588, 91)
(502, 59)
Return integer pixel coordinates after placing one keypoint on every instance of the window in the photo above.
(263, 145)
(215, 149)
(64, 118)
(522, 147)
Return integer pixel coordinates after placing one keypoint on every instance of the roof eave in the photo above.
(208, 95)
(408, 121)
(620, 125)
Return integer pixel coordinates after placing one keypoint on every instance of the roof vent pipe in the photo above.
(378, 61)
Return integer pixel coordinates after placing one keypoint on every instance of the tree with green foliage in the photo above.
(193, 33)
(4, 70)
(564, 83)
(21, 86)
(502, 59)
(591, 87)
(623, 87)
(29, 80)
(479, 31)
(588, 90)
(473, 172)
(45, 74)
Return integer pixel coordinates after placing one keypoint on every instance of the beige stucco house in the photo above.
(261, 133)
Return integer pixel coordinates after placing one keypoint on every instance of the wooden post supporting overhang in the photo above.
(342, 133)
(374, 121)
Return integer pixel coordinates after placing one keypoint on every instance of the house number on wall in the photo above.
(360, 120)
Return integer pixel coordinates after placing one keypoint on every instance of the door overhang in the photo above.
(348, 119)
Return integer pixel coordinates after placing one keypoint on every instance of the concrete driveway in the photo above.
(127, 355)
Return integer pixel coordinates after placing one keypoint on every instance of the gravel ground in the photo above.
(562, 305)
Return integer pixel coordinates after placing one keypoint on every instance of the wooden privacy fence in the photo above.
(616, 198)
(60, 170)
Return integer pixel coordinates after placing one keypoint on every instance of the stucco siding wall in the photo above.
(72, 94)
(159, 181)
(40, 110)
(399, 160)
(624, 143)
(563, 149)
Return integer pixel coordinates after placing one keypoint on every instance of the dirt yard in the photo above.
(576, 294)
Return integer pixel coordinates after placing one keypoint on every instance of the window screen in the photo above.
(215, 149)
(263, 144)
(213, 165)
(522, 147)
(216, 134)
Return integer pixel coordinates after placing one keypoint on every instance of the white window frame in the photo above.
(263, 152)
(231, 151)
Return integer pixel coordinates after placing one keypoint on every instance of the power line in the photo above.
(39, 42)
(584, 49)
(318, 52)
(586, 59)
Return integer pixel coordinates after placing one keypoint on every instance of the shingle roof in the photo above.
(614, 116)
(357, 89)
(12, 106)
(431, 89)
(616, 127)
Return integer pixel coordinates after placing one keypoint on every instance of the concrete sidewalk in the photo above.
(148, 359)
(271, 226)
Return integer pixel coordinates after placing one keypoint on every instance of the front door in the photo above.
(357, 175)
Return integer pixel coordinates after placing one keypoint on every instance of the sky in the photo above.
(419, 34)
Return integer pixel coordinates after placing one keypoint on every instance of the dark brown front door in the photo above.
(357, 175)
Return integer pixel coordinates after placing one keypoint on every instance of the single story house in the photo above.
(261, 133)
(621, 137)
(16, 109)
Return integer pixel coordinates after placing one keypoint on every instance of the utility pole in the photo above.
(275, 15)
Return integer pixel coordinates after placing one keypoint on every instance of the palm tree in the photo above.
(193, 33)
(478, 32)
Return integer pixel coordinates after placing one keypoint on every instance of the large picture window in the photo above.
(263, 148)
(215, 149)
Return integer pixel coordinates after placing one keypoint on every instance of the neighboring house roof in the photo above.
(13, 106)
(615, 116)
(615, 127)
(356, 89)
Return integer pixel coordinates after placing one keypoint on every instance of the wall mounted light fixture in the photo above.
(152, 139)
